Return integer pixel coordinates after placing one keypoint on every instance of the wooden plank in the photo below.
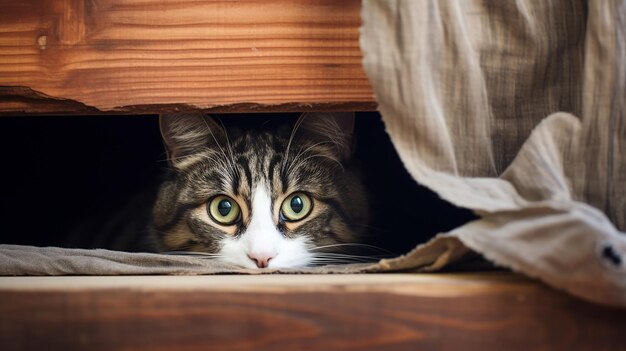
(493, 311)
(150, 56)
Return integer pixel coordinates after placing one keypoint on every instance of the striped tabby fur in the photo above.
(259, 168)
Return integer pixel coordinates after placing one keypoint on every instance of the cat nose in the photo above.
(261, 259)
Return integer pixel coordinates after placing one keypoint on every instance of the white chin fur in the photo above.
(292, 253)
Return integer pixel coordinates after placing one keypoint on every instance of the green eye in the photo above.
(296, 207)
(224, 210)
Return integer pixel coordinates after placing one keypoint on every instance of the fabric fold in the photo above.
(516, 111)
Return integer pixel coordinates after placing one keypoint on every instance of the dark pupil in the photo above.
(224, 207)
(296, 204)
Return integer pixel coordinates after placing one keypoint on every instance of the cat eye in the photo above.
(296, 207)
(224, 210)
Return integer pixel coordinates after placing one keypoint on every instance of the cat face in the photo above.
(271, 196)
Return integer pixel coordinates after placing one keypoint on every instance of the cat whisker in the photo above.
(184, 252)
(228, 145)
(293, 133)
(359, 245)
(229, 160)
(216, 160)
(190, 253)
(303, 152)
(318, 262)
(348, 257)
(331, 262)
(203, 153)
(354, 259)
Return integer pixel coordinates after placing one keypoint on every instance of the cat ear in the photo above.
(336, 127)
(187, 134)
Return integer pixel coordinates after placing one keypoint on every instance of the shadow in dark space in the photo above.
(404, 213)
(60, 172)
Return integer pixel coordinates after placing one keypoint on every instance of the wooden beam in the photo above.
(131, 57)
(496, 311)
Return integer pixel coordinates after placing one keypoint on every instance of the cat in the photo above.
(275, 195)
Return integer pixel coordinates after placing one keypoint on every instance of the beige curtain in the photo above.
(516, 110)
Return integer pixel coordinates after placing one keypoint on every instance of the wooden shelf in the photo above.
(486, 311)
(130, 57)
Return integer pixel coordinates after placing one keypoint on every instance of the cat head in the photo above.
(276, 195)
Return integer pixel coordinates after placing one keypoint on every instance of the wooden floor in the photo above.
(486, 311)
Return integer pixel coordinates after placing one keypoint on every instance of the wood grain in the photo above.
(130, 56)
(352, 312)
